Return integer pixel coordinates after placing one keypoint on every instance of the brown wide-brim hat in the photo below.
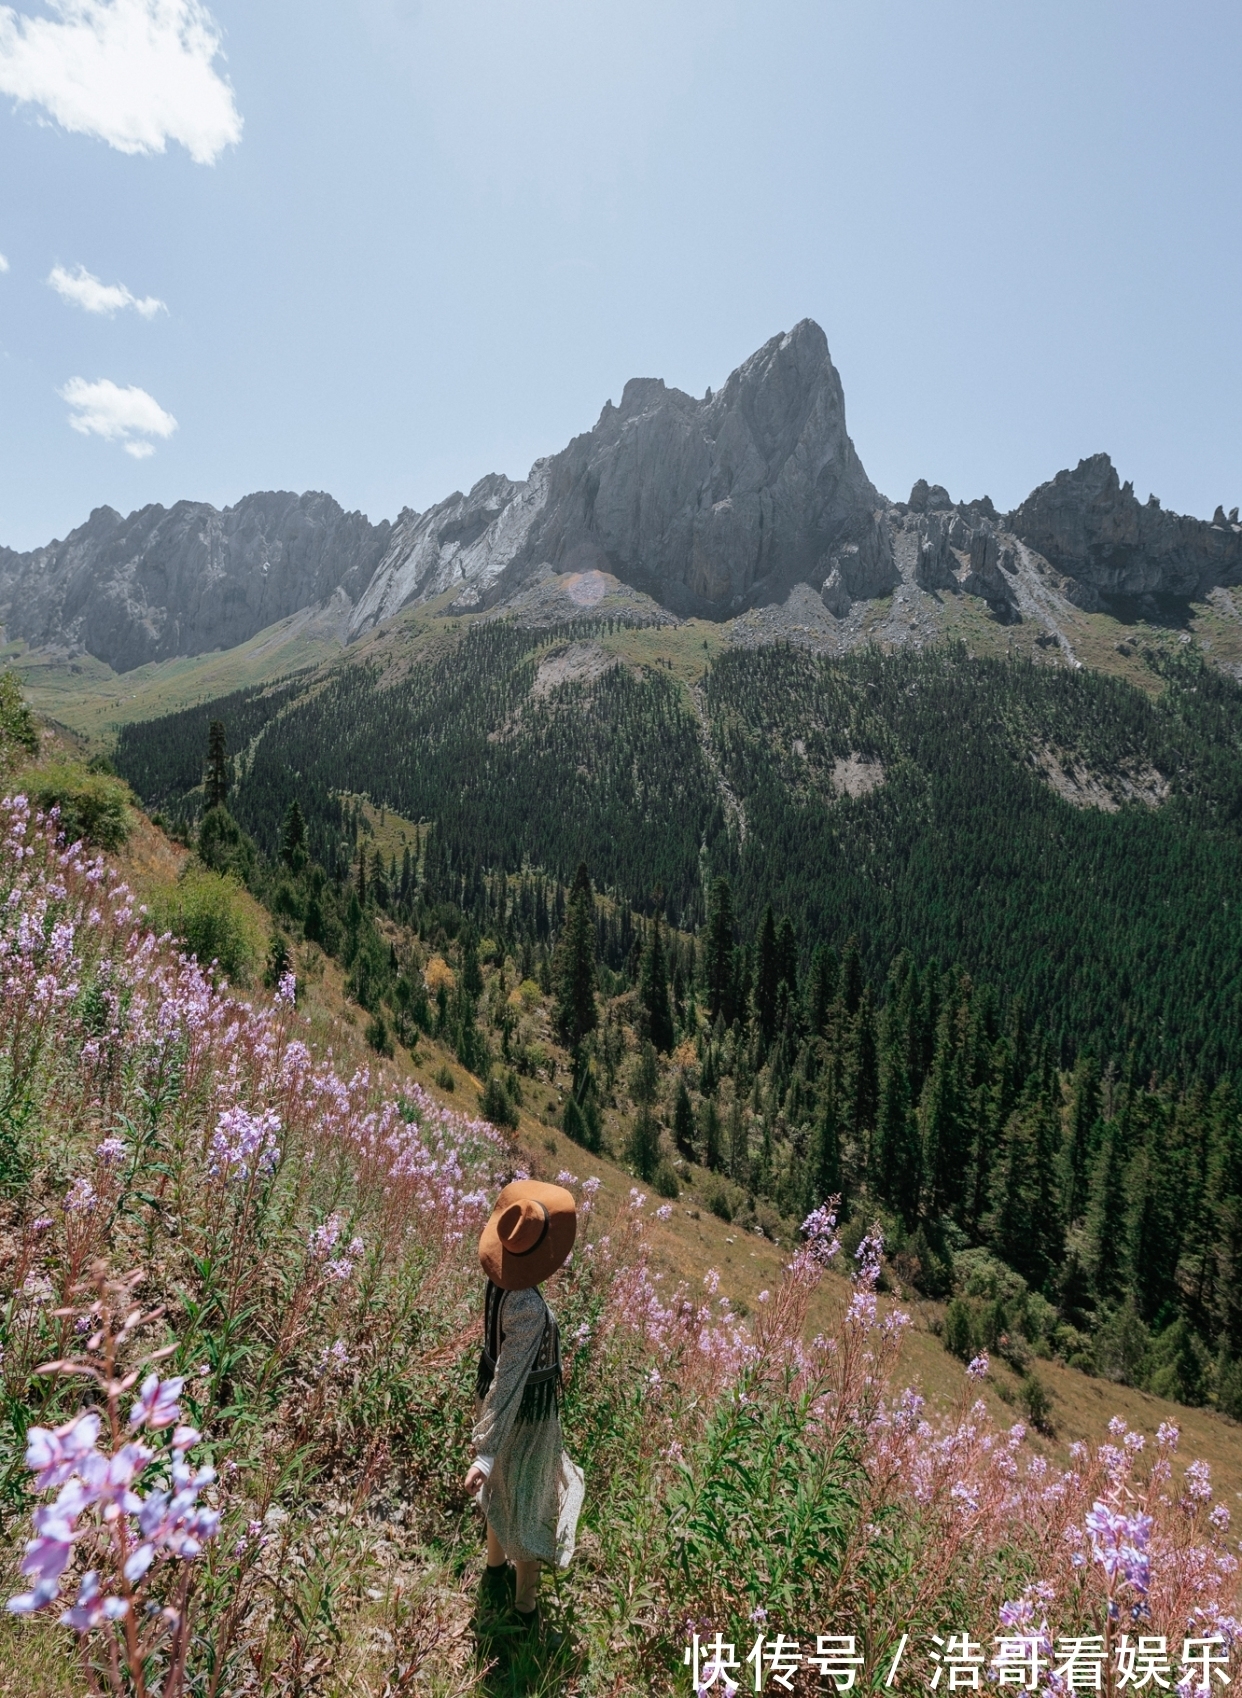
(530, 1233)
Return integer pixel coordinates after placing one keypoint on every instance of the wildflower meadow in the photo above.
(241, 1309)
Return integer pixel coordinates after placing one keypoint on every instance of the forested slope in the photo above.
(1117, 928)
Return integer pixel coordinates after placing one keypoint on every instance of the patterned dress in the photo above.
(533, 1492)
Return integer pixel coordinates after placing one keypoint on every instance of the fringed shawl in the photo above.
(542, 1392)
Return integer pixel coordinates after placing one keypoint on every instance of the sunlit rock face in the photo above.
(711, 505)
(186, 579)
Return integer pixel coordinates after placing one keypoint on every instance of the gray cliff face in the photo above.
(1091, 527)
(463, 543)
(713, 505)
(708, 506)
(184, 580)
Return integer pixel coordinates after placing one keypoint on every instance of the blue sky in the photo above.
(383, 247)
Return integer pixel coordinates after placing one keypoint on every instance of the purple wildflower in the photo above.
(157, 1405)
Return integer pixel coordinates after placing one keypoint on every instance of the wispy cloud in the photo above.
(85, 290)
(129, 416)
(4, 264)
(135, 73)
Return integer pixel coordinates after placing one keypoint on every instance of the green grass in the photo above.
(86, 695)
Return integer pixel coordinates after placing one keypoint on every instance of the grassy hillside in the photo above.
(733, 1461)
(87, 696)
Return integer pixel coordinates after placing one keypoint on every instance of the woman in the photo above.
(528, 1488)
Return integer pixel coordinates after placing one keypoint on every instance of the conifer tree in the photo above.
(644, 1142)
(862, 1071)
(711, 1135)
(683, 1121)
(821, 988)
(824, 1164)
(216, 785)
(573, 972)
(718, 966)
(293, 838)
(1226, 1187)
(941, 1125)
(471, 974)
(1007, 1225)
(653, 990)
(379, 881)
(787, 957)
(1081, 1133)
(767, 977)
(897, 1165)
(1152, 1226)
(1105, 1239)
(739, 1143)
(851, 977)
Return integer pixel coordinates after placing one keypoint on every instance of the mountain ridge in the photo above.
(714, 508)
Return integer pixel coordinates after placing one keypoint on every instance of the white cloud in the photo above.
(85, 290)
(129, 416)
(4, 264)
(135, 73)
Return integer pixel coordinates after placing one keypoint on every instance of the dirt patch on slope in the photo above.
(855, 776)
(580, 663)
(1108, 791)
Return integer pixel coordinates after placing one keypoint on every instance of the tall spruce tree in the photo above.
(718, 965)
(823, 1173)
(293, 837)
(851, 976)
(1081, 1133)
(710, 1133)
(739, 1143)
(787, 957)
(767, 977)
(683, 1121)
(821, 988)
(216, 784)
(898, 1164)
(653, 990)
(573, 974)
(941, 1125)
(1105, 1229)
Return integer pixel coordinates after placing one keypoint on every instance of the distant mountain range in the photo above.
(711, 508)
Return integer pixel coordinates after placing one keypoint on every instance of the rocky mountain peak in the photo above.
(186, 579)
(709, 507)
(1091, 526)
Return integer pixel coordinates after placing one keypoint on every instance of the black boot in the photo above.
(499, 1582)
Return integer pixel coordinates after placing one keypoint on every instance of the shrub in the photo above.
(643, 1149)
(959, 1330)
(665, 1180)
(18, 733)
(1035, 1400)
(718, 1201)
(443, 1077)
(497, 1105)
(92, 804)
(224, 846)
(581, 1123)
(928, 1267)
(214, 921)
(1120, 1346)
(377, 1035)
